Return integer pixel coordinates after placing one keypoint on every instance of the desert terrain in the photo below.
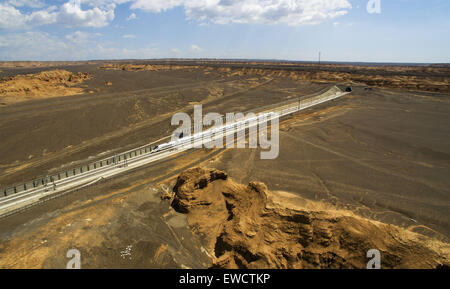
(366, 171)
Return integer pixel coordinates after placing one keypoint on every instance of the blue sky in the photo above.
(343, 30)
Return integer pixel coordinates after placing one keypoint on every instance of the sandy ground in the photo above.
(382, 154)
(135, 110)
(122, 223)
(46, 84)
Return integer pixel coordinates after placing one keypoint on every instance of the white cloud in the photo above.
(290, 12)
(131, 17)
(32, 46)
(79, 45)
(11, 18)
(129, 36)
(27, 3)
(156, 5)
(195, 49)
(100, 13)
(80, 37)
(69, 14)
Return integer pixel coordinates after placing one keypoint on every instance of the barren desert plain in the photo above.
(367, 171)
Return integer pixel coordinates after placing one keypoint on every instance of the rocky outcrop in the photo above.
(41, 85)
(244, 228)
(356, 75)
(145, 67)
(188, 189)
(421, 78)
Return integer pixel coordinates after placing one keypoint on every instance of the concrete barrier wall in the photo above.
(47, 181)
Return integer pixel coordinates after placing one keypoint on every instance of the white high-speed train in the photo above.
(227, 128)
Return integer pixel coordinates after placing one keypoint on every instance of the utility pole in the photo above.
(320, 54)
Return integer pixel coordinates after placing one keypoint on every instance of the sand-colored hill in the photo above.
(400, 81)
(251, 227)
(45, 84)
(145, 67)
(29, 64)
(419, 78)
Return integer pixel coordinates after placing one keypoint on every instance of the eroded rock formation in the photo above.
(41, 85)
(245, 228)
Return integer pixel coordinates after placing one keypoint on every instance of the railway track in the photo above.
(15, 199)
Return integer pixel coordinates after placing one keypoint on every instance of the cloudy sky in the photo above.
(343, 30)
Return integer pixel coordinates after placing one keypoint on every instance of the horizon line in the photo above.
(239, 60)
